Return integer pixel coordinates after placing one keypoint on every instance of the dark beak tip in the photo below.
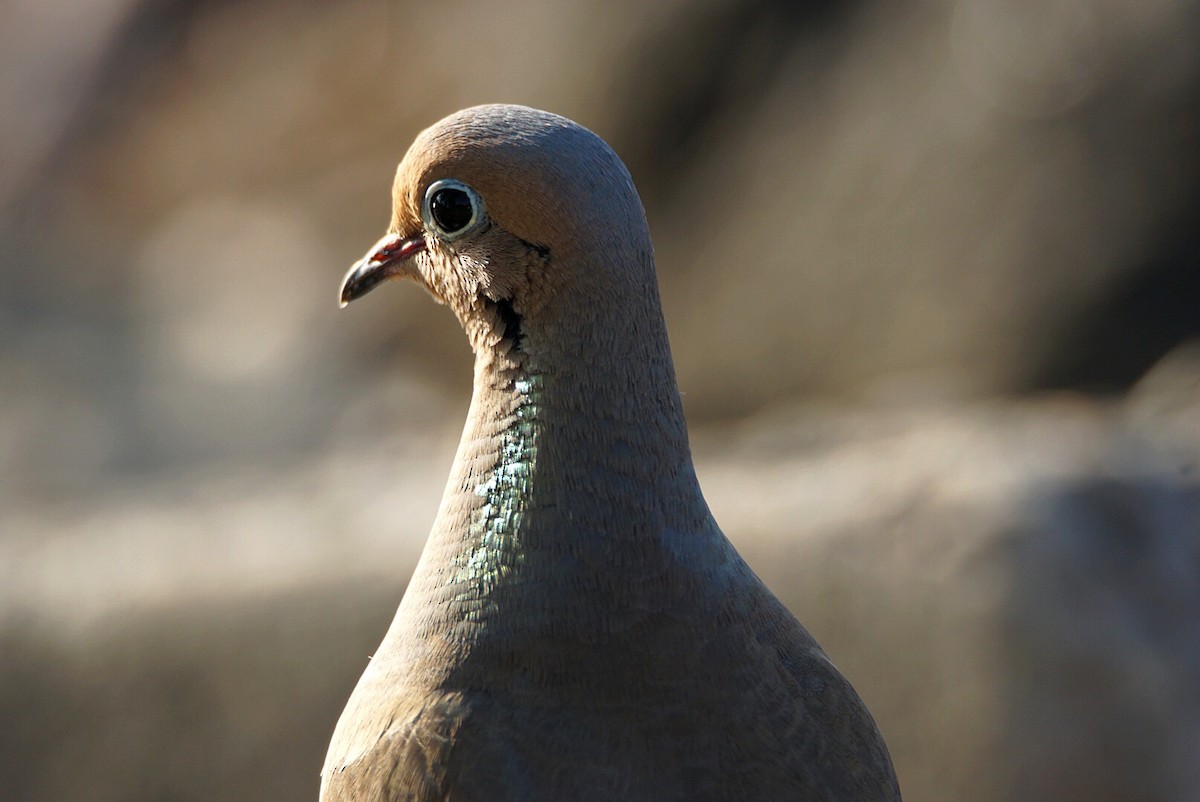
(383, 262)
(355, 284)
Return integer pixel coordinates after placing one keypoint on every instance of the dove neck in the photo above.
(562, 448)
(577, 433)
(570, 466)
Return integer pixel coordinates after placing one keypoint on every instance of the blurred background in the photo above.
(932, 275)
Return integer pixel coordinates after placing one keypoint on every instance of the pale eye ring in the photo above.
(452, 209)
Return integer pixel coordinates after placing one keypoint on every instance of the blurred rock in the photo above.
(953, 191)
(1103, 642)
(42, 87)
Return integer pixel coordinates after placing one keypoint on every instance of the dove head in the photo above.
(519, 220)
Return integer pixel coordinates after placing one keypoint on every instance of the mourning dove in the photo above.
(578, 627)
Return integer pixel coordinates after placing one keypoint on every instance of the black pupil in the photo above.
(451, 209)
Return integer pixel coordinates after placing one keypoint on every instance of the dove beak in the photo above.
(387, 259)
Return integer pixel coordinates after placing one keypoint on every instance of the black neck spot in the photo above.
(511, 321)
(542, 251)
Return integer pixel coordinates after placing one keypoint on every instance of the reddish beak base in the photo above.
(387, 259)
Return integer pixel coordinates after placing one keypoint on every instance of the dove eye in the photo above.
(452, 209)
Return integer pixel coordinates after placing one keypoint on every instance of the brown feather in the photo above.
(578, 626)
